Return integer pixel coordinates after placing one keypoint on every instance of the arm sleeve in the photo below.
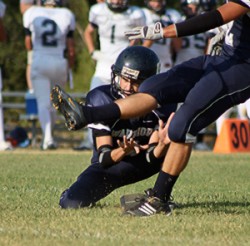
(199, 24)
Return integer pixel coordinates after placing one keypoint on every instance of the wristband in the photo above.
(150, 157)
(104, 153)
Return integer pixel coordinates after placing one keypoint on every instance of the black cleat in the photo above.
(69, 108)
(150, 205)
(131, 200)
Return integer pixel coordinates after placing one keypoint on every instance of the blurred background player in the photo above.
(125, 151)
(49, 34)
(195, 45)
(157, 11)
(24, 5)
(110, 20)
(3, 144)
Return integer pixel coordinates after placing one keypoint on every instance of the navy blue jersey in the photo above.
(140, 129)
(237, 41)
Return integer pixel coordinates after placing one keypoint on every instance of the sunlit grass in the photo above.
(213, 193)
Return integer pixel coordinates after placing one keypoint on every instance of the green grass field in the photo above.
(213, 192)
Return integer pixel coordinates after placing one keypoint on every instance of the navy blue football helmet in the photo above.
(188, 10)
(135, 63)
(208, 5)
(160, 10)
(119, 6)
(52, 2)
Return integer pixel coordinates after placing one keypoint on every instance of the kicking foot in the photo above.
(69, 108)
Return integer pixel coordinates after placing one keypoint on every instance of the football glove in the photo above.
(152, 32)
(97, 55)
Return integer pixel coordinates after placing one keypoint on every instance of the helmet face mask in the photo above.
(134, 64)
(208, 5)
(190, 7)
(159, 8)
(117, 5)
(119, 81)
(52, 2)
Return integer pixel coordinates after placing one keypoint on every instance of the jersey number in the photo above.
(48, 37)
(199, 42)
(112, 36)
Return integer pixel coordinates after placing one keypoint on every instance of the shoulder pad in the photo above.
(99, 96)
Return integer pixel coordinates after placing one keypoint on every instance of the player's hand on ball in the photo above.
(151, 32)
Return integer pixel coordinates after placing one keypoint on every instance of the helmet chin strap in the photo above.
(118, 88)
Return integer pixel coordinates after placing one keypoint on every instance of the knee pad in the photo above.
(65, 202)
(178, 133)
(174, 134)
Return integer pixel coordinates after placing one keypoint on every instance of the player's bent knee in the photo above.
(65, 202)
(175, 134)
(178, 136)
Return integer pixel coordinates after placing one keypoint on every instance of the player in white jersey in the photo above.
(24, 5)
(110, 19)
(3, 144)
(156, 11)
(195, 45)
(49, 33)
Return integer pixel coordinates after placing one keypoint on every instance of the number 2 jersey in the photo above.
(49, 28)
